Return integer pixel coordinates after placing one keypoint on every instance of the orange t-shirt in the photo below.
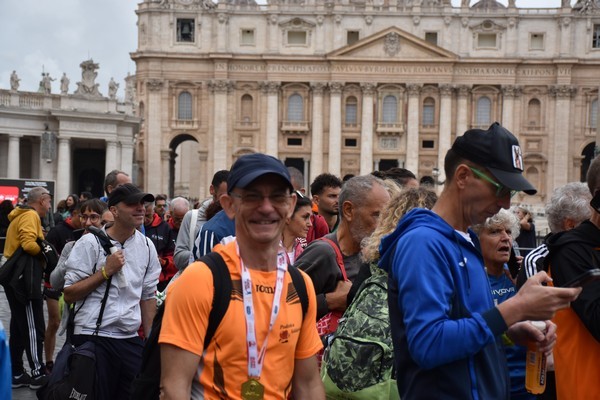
(224, 365)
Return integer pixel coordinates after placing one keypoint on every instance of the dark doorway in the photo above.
(588, 156)
(384, 165)
(173, 157)
(88, 171)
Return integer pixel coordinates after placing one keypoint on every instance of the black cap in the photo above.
(498, 151)
(249, 167)
(128, 194)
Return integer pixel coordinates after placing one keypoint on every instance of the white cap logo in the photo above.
(517, 157)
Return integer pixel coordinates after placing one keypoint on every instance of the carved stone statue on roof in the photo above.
(88, 86)
(14, 81)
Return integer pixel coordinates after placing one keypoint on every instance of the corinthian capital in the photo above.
(512, 91)
(220, 85)
(154, 84)
(414, 89)
(318, 87)
(562, 91)
(336, 87)
(446, 90)
(270, 87)
(368, 88)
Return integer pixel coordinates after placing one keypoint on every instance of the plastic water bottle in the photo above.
(535, 368)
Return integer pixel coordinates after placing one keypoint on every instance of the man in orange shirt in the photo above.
(264, 347)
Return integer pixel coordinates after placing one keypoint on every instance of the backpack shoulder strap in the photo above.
(338, 255)
(222, 289)
(300, 286)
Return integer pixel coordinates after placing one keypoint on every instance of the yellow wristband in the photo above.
(104, 273)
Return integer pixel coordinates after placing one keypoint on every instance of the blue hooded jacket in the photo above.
(446, 330)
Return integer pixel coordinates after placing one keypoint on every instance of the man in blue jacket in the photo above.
(447, 332)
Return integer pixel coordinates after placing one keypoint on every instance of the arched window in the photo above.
(483, 116)
(534, 112)
(428, 118)
(184, 106)
(295, 108)
(246, 108)
(390, 110)
(351, 110)
(594, 114)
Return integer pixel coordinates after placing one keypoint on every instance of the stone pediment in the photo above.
(390, 44)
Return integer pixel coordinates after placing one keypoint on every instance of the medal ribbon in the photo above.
(256, 360)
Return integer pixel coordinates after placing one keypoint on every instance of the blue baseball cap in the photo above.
(250, 167)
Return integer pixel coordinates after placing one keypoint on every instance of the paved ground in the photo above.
(22, 393)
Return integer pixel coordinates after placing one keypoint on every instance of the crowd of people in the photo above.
(459, 317)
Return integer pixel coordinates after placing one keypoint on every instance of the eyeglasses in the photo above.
(501, 190)
(93, 218)
(254, 199)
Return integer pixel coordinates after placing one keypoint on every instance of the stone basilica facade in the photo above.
(352, 86)
(71, 135)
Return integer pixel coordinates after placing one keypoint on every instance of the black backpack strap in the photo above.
(99, 320)
(300, 286)
(222, 292)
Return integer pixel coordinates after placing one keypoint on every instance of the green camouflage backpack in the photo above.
(359, 361)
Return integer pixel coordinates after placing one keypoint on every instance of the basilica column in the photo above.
(445, 135)
(272, 136)
(316, 144)
(366, 128)
(165, 158)
(509, 92)
(412, 129)
(13, 170)
(127, 157)
(462, 123)
(335, 128)
(562, 127)
(153, 171)
(111, 156)
(221, 89)
(63, 171)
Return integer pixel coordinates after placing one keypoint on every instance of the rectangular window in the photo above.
(294, 141)
(351, 116)
(352, 37)
(428, 144)
(431, 37)
(247, 37)
(350, 142)
(428, 114)
(536, 41)
(486, 40)
(296, 37)
(596, 37)
(185, 30)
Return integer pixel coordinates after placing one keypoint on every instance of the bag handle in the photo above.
(338, 255)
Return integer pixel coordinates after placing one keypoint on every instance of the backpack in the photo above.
(146, 385)
(358, 363)
(77, 379)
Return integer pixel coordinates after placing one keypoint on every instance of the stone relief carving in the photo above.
(221, 85)
(463, 90)
(446, 89)
(391, 44)
(88, 86)
(318, 87)
(512, 91)
(414, 89)
(584, 6)
(368, 19)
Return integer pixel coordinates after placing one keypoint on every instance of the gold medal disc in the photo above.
(252, 389)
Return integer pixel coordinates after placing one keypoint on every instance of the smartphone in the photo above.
(595, 202)
(513, 264)
(585, 278)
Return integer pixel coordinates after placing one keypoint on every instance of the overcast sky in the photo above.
(57, 35)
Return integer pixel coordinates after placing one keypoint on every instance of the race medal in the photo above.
(252, 390)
